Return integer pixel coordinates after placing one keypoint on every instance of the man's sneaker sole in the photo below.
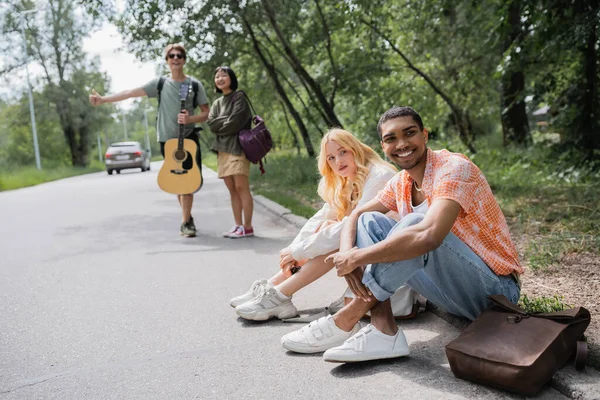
(264, 315)
(187, 234)
(349, 358)
(302, 348)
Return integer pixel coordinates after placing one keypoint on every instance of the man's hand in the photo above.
(354, 280)
(344, 261)
(95, 98)
(183, 117)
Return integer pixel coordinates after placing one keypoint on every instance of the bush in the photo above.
(543, 304)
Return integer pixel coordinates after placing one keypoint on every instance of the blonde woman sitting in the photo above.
(352, 174)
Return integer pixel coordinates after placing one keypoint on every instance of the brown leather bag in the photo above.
(510, 349)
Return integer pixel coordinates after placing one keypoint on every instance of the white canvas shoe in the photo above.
(267, 304)
(317, 336)
(250, 294)
(369, 344)
(232, 230)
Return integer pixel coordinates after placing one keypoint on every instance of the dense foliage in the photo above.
(524, 73)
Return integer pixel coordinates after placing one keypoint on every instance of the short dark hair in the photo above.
(397, 112)
(232, 77)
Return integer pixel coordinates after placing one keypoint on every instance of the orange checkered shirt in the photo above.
(480, 223)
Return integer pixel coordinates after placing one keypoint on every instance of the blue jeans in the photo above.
(452, 276)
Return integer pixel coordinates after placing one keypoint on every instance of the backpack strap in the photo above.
(159, 86)
(195, 89)
(237, 95)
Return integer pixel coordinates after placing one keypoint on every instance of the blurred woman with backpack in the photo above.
(229, 114)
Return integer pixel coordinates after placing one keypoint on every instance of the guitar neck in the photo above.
(181, 128)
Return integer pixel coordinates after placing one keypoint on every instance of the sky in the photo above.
(123, 69)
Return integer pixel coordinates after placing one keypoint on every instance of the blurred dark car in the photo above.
(126, 155)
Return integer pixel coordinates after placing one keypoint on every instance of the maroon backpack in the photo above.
(256, 142)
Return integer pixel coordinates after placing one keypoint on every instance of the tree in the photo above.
(232, 31)
(515, 123)
(564, 37)
(54, 40)
(470, 68)
(449, 67)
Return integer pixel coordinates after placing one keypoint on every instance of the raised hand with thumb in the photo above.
(95, 98)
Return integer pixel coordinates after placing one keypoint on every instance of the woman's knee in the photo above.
(241, 183)
(229, 183)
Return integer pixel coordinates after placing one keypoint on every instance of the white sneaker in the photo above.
(265, 305)
(232, 230)
(369, 344)
(317, 336)
(250, 294)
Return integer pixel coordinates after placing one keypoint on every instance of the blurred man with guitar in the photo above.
(170, 117)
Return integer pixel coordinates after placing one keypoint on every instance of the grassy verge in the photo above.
(209, 159)
(552, 206)
(30, 176)
(290, 180)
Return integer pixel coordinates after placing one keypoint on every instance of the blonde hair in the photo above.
(343, 194)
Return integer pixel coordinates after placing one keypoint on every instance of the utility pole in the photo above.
(36, 149)
(147, 137)
(99, 148)
(124, 124)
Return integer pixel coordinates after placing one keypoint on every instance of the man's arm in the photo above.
(96, 99)
(347, 239)
(407, 243)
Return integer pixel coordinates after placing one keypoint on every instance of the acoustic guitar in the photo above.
(180, 172)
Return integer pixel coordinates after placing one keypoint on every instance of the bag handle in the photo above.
(581, 354)
(247, 98)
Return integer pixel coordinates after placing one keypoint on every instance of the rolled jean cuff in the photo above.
(369, 281)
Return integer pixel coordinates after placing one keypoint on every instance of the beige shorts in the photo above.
(229, 164)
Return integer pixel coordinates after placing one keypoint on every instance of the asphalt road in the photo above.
(100, 298)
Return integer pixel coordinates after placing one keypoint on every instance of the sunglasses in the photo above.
(178, 55)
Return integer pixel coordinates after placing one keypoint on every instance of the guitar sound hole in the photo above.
(180, 155)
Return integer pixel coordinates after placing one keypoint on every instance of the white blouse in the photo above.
(309, 243)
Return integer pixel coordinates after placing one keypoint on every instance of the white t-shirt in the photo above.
(421, 208)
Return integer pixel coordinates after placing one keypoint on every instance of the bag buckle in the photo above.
(515, 319)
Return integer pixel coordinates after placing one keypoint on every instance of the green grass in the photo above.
(209, 159)
(549, 204)
(290, 180)
(30, 176)
(543, 304)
